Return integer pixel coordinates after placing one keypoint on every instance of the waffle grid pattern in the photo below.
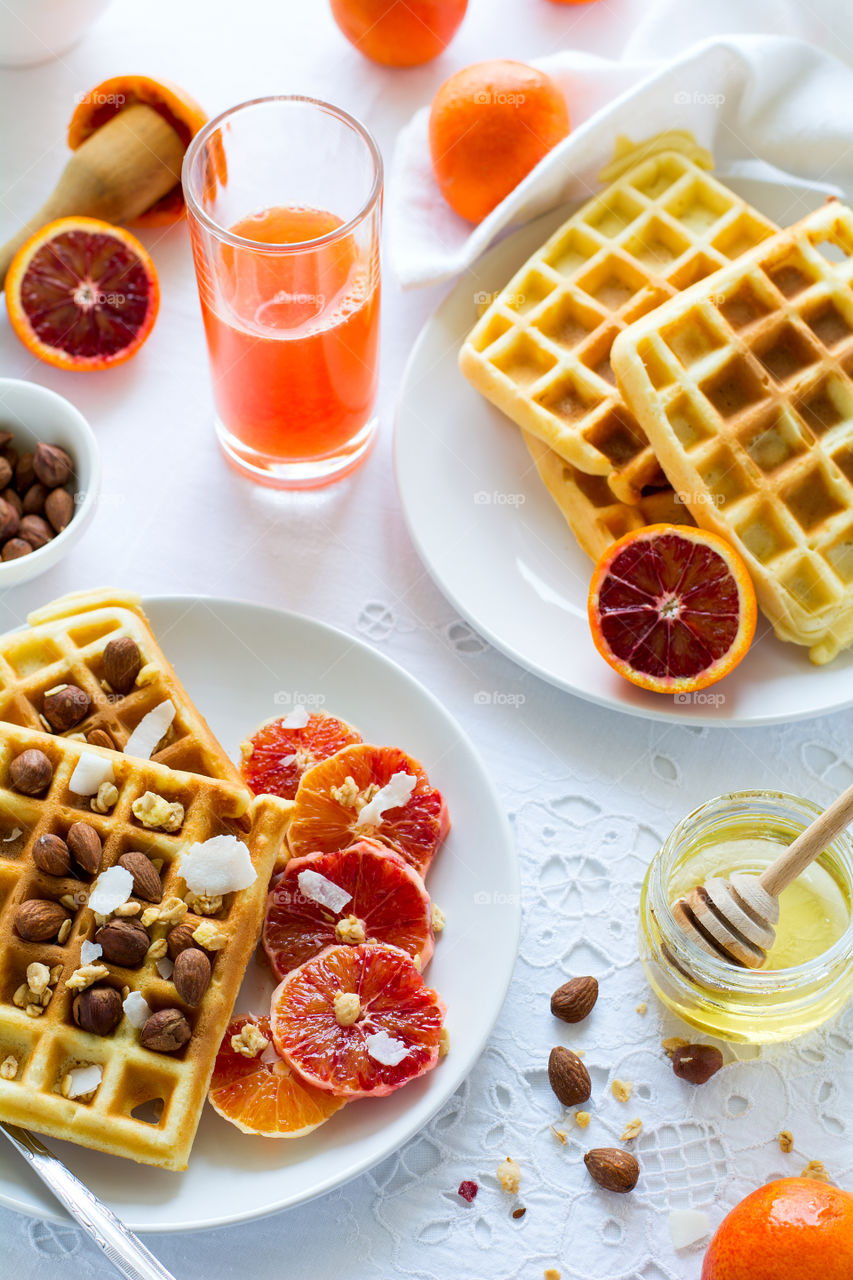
(169, 1087)
(541, 351)
(744, 386)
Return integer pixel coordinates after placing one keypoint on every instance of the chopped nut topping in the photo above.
(205, 904)
(146, 675)
(622, 1090)
(155, 812)
(105, 799)
(816, 1170)
(642, 1008)
(509, 1176)
(672, 1043)
(157, 950)
(551, 1274)
(128, 909)
(443, 1043)
(561, 1135)
(250, 1041)
(170, 911)
(786, 1141)
(19, 999)
(34, 1010)
(347, 1008)
(631, 1130)
(209, 937)
(68, 901)
(55, 974)
(83, 977)
(582, 1119)
(347, 793)
(9, 1068)
(438, 919)
(64, 931)
(350, 929)
(418, 962)
(38, 978)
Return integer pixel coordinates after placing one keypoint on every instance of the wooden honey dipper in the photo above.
(128, 138)
(735, 919)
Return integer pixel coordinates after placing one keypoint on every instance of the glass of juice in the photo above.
(284, 201)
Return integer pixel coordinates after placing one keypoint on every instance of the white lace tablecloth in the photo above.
(590, 793)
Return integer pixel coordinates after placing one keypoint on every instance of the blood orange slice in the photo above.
(338, 801)
(275, 757)
(259, 1093)
(357, 1021)
(672, 608)
(82, 294)
(385, 902)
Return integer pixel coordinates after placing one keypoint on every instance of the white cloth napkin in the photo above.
(758, 103)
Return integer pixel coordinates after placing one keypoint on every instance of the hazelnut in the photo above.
(122, 663)
(124, 942)
(59, 508)
(165, 1031)
(52, 465)
(15, 548)
(85, 846)
(97, 1009)
(696, 1063)
(38, 919)
(65, 706)
(181, 936)
(101, 738)
(31, 772)
(191, 975)
(9, 519)
(32, 503)
(51, 854)
(5, 472)
(146, 881)
(14, 501)
(24, 472)
(36, 531)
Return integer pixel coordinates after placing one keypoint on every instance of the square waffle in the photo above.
(595, 516)
(65, 643)
(541, 351)
(38, 1050)
(744, 386)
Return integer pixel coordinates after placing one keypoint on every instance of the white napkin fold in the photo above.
(758, 103)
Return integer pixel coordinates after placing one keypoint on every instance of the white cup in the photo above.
(33, 31)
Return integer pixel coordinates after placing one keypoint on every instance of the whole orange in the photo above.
(399, 33)
(793, 1229)
(489, 125)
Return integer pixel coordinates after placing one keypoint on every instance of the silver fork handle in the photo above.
(124, 1250)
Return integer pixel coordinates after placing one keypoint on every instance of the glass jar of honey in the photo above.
(808, 976)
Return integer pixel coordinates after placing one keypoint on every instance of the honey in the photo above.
(808, 976)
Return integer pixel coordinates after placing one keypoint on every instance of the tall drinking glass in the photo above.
(284, 200)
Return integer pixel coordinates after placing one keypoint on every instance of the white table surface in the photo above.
(590, 793)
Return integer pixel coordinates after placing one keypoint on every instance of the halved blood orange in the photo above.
(331, 797)
(672, 608)
(337, 1019)
(82, 294)
(387, 903)
(275, 757)
(261, 1094)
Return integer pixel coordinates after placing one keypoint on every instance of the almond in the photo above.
(191, 975)
(97, 1009)
(146, 881)
(122, 663)
(696, 1063)
(85, 845)
(612, 1168)
(568, 1077)
(39, 919)
(50, 854)
(573, 1001)
(165, 1031)
(124, 942)
(101, 738)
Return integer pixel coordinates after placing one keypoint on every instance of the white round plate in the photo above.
(498, 547)
(243, 663)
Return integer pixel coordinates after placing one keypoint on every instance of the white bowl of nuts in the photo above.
(50, 473)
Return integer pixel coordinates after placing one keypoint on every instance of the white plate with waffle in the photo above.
(500, 549)
(242, 664)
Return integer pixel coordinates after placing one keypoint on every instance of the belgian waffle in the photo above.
(65, 643)
(39, 1050)
(594, 515)
(541, 351)
(744, 385)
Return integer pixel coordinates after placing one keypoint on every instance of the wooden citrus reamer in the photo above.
(735, 919)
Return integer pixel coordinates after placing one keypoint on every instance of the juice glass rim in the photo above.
(223, 233)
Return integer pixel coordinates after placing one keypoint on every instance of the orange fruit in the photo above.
(261, 1094)
(387, 903)
(173, 103)
(326, 1013)
(792, 1229)
(274, 758)
(331, 797)
(672, 608)
(399, 33)
(82, 294)
(489, 125)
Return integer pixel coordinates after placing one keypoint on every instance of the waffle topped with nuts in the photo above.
(117, 981)
(88, 667)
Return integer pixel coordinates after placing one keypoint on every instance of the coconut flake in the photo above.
(150, 730)
(14, 835)
(319, 888)
(90, 952)
(398, 790)
(219, 865)
(270, 1055)
(688, 1226)
(84, 1080)
(90, 773)
(297, 718)
(137, 1009)
(385, 1049)
(112, 889)
(165, 967)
